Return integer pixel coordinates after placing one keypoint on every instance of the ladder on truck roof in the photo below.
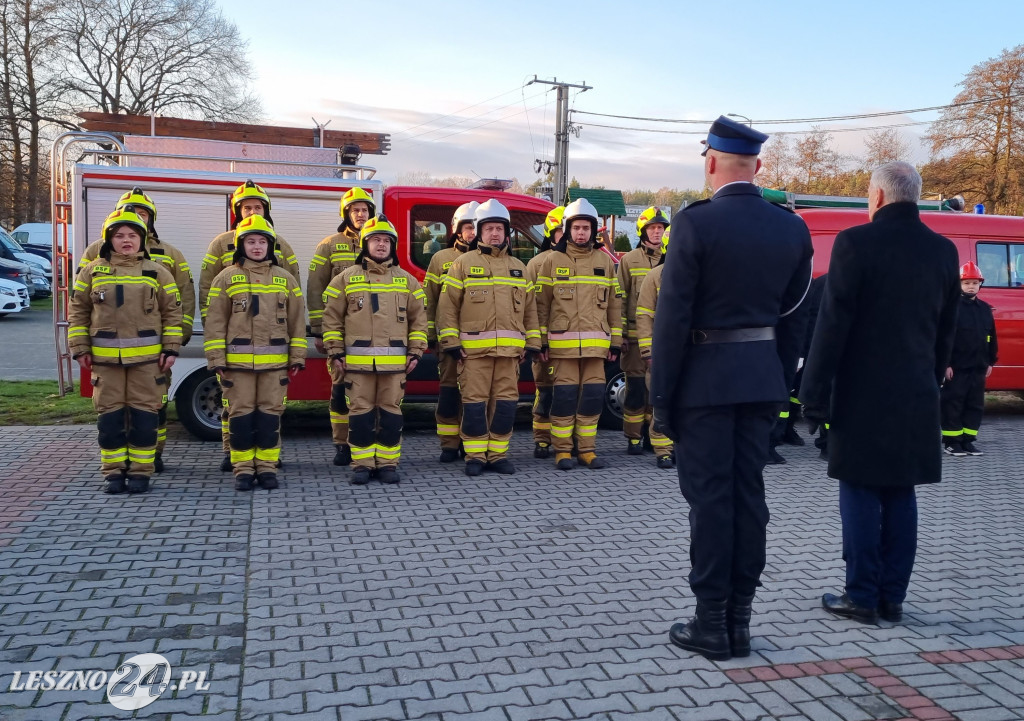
(108, 149)
(801, 201)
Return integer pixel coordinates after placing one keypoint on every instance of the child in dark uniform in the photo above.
(974, 354)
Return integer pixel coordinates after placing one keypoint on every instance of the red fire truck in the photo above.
(994, 242)
(191, 182)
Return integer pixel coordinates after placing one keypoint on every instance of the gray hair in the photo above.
(899, 181)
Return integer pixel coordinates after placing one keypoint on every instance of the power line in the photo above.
(461, 110)
(783, 132)
(472, 117)
(823, 119)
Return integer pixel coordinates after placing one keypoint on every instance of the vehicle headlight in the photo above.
(7, 291)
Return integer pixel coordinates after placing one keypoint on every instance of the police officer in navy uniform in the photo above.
(727, 337)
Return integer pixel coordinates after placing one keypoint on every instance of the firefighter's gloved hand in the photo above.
(613, 354)
(455, 352)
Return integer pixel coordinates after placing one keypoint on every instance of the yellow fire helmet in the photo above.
(124, 216)
(357, 195)
(553, 219)
(247, 190)
(651, 215)
(139, 199)
(664, 241)
(378, 224)
(254, 224)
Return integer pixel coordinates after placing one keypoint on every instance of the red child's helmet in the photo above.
(971, 271)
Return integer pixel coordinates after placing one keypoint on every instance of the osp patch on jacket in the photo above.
(563, 272)
(280, 281)
(240, 278)
(477, 270)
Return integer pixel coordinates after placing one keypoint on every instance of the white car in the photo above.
(13, 297)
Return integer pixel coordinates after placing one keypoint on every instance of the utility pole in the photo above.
(562, 129)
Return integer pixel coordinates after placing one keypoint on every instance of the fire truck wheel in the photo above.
(614, 396)
(198, 404)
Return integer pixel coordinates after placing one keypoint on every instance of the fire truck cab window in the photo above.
(431, 228)
(994, 261)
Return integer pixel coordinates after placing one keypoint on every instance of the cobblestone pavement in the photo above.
(545, 595)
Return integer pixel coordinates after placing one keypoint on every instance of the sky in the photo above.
(448, 80)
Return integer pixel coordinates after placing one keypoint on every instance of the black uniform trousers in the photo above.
(963, 404)
(720, 456)
(879, 541)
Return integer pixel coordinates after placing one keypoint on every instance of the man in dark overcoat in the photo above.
(884, 333)
(727, 337)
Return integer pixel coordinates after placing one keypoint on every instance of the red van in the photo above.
(994, 242)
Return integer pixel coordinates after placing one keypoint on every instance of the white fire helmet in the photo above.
(465, 213)
(493, 211)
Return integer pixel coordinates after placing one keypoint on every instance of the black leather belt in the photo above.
(735, 335)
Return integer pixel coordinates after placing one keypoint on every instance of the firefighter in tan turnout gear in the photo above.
(172, 259)
(255, 340)
(633, 268)
(125, 328)
(487, 321)
(335, 254)
(248, 199)
(646, 305)
(543, 371)
(449, 401)
(375, 332)
(580, 316)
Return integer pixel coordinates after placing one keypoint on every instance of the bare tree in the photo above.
(980, 137)
(776, 163)
(817, 164)
(138, 56)
(28, 88)
(885, 146)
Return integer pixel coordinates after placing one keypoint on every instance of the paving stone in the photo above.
(545, 600)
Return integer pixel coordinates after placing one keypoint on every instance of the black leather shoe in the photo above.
(541, 450)
(244, 482)
(774, 458)
(502, 466)
(113, 483)
(843, 607)
(891, 612)
(225, 464)
(267, 480)
(635, 447)
(360, 476)
(665, 462)
(137, 484)
(449, 455)
(474, 468)
(706, 633)
(342, 455)
(738, 624)
(158, 463)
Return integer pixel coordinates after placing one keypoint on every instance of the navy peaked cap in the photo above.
(729, 136)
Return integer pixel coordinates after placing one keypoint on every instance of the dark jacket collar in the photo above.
(897, 211)
(737, 189)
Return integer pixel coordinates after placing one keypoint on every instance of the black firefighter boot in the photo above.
(706, 633)
(738, 623)
(342, 455)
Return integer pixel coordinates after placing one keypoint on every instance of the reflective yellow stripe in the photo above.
(368, 360)
(361, 454)
(125, 280)
(103, 352)
(114, 455)
(417, 335)
(587, 431)
(448, 280)
(242, 456)
(332, 335)
(268, 454)
(561, 431)
(142, 456)
(541, 426)
(628, 418)
(476, 446)
(214, 344)
(257, 359)
(970, 431)
(78, 330)
(81, 285)
(299, 342)
(339, 418)
(388, 453)
(497, 446)
(447, 430)
(376, 287)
